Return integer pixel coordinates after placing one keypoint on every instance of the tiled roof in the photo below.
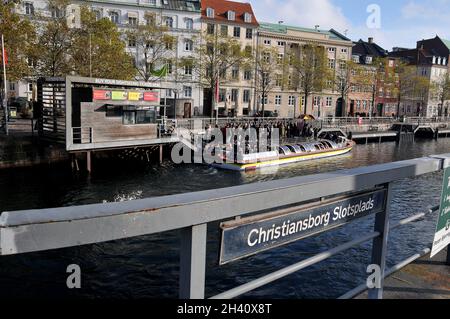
(364, 49)
(221, 8)
(283, 28)
(182, 5)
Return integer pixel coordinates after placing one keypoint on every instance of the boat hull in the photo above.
(282, 160)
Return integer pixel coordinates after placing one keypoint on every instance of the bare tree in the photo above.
(310, 66)
(214, 55)
(154, 46)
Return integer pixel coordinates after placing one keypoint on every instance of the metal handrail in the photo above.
(44, 229)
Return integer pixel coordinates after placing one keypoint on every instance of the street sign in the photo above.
(251, 235)
(442, 234)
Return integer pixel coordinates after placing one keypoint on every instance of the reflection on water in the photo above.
(148, 266)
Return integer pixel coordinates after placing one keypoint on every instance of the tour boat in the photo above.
(288, 154)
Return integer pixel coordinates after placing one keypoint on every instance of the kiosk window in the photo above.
(113, 110)
(133, 115)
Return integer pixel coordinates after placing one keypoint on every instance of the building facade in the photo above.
(373, 96)
(236, 86)
(182, 17)
(286, 99)
(430, 59)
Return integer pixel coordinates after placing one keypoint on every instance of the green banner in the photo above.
(442, 234)
(161, 72)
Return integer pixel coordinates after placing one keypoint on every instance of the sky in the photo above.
(392, 23)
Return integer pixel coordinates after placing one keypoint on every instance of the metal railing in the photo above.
(45, 229)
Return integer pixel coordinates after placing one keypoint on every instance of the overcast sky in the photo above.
(402, 22)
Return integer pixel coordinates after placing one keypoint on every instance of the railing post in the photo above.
(193, 262)
(379, 245)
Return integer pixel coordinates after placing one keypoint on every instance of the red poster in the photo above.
(151, 96)
(101, 95)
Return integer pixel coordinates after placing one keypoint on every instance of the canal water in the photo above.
(147, 266)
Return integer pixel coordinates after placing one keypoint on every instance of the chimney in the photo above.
(370, 40)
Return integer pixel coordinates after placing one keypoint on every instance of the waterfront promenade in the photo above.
(424, 278)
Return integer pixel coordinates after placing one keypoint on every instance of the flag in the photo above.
(216, 93)
(161, 72)
(5, 56)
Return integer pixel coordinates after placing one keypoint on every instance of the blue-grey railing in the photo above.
(44, 229)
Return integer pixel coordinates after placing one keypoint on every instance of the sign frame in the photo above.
(441, 237)
(303, 209)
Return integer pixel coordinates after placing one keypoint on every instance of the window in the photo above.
(210, 28)
(169, 45)
(331, 63)
(246, 96)
(247, 75)
(364, 105)
(132, 21)
(169, 66)
(113, 111)
(280, 58)
(132, 42)
(152, 2)
(235, 73)
(264, 99)
(249, 34)
(267, 42)
(234, 95)
(12, 86)
(29, 9)
(57, 13)
(266, 57)
(291, 100)
(188, 45)
(329, 101)
(98, 14)
(237, 32)
(355, 58)
(169, 22)
(189, 24)
(247, 17)
(169, 92)
(277, 99)
(368, 60)
(343, 50)
(279, 80)
(231, 15)
(222, 93)
(30, 87)
(281, 43)
(331, 49)
(210, 12)
(316, 101)
(138, 115)
(114, 16)
(188, 69)
(224, 30)
(187, 91)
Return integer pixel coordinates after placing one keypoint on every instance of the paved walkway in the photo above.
(422, 279)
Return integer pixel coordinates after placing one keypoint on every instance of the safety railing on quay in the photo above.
(39, 230)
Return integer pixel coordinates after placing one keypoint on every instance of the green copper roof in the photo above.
(447, 43)
(283, 28)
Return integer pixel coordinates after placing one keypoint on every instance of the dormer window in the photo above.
(355, 58)
(368, 60)
(231, 15)
(247, 17)
(210, 12)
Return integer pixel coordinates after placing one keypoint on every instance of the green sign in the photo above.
(442, 235)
